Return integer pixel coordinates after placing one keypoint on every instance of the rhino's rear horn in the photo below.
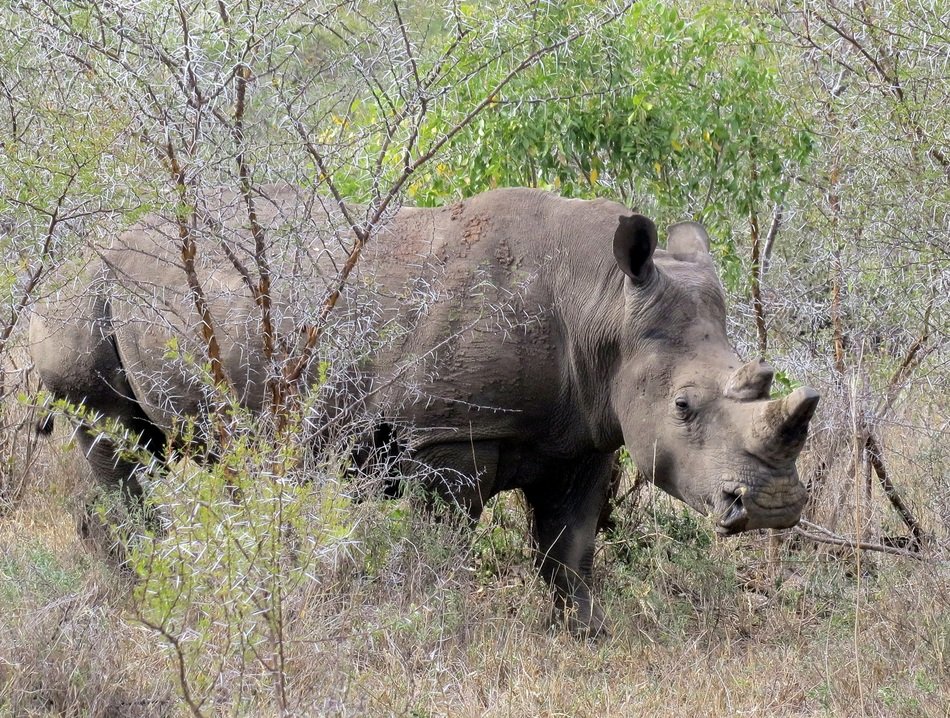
(750, 382)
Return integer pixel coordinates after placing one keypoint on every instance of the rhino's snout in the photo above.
(741, 508)
(766, 492)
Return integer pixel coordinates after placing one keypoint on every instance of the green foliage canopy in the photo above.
(672, 110)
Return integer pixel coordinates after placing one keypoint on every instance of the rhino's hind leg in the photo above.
(567, 509)
(112, 470)
(119, 474)
(463, 476)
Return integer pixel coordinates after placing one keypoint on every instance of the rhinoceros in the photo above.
(530, 336)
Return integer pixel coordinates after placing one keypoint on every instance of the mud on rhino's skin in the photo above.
(546, 331)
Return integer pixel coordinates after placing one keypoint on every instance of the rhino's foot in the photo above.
(108, 526)
(102, 537)
(584, 623)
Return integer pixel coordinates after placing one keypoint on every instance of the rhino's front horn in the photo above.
(780, 427)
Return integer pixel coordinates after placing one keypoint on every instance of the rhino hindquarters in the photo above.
(72, 342)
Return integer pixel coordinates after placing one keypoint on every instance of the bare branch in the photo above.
(189, 251)
(770, 238)
(875, 455)
(819, 534)
(261, 292)
(915, 354)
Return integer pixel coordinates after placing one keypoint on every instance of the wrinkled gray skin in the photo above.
(554, 332)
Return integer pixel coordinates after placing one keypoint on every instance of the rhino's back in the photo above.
(463, 301)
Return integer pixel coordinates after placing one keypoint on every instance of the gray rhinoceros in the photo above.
(530, 336)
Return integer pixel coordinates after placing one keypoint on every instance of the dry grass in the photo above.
(399, 624)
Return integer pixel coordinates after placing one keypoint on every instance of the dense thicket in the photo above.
(813, 140)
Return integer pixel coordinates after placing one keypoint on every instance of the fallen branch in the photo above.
(876, 458)
(819, 534)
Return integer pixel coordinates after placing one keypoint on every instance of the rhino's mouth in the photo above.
(733, 517)
(739, 507)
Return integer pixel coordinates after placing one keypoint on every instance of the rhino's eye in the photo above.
(682, 405)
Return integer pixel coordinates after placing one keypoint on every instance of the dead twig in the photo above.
(819, 534)
(875, 456)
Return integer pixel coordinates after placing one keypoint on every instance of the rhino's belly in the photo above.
(477, 383)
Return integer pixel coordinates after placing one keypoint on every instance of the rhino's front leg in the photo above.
(567, 508)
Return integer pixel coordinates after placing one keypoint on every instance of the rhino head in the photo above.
(695, 419)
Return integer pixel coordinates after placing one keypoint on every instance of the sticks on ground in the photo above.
(819, 534)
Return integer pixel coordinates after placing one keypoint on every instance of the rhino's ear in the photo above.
(686, 240)
(634, 243)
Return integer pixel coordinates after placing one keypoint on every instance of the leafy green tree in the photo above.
(673, 110)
